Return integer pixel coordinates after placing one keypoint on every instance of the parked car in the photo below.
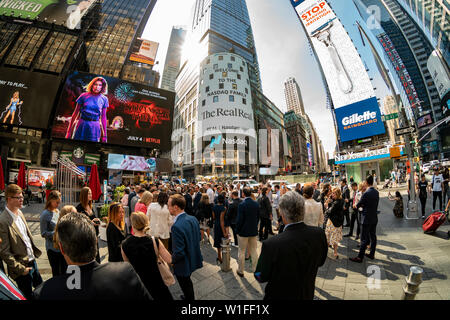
(276, 182)
(249, 182)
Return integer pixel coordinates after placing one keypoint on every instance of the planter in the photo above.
(102, 232)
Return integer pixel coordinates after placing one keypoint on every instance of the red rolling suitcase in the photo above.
(433, 222)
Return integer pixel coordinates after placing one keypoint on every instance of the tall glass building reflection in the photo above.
(225, 25)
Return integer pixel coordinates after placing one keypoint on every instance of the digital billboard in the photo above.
(109, 110)
(144, 51)
(40, 177)
(430, 147)
(359, 120)
(424, 120)
(26, 98)
(131, 163)
(67, 13)
(343, 68)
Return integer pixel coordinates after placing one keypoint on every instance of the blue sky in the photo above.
(282, 51)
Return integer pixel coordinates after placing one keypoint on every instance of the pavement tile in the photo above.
(204, 287)
(428, 296)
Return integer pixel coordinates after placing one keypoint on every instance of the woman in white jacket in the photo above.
(313, 209)
(160, 219)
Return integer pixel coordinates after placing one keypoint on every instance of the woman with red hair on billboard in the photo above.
(88, 121)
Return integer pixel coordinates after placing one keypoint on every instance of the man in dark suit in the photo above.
(289, 261)
(189, 206)
(197, 198)
(232, 214)
(86, 279)
(247, 230)
(346, 197)
(369, 219)
(186, 256)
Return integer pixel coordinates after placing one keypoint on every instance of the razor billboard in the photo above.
(344, 71)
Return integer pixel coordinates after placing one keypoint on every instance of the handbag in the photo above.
(163, 267)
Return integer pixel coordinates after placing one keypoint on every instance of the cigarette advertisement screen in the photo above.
(109, 110)
(131, 163)
(40, 177)
(66, 13)
(26, 98)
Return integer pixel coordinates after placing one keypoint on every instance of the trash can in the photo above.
(226, 255)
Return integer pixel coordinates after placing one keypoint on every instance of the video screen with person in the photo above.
(131, 163)
(26, 98)
(424, 120)
(40, 177)
(109, 110)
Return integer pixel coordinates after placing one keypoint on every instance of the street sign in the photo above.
(389, 116)
(406, 130)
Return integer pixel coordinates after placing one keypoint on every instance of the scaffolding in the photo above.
(69, 178)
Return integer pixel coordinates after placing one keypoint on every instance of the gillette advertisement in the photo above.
(344, 71)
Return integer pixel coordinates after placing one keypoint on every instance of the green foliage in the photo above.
(118, 193)
(104, 211)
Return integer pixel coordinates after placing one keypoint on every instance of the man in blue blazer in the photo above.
(186, 256)
(247, 230)
(369, 219)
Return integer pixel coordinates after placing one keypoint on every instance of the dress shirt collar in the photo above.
(176, 218)
(292, 224)
(12, 214)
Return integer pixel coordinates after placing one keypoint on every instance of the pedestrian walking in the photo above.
(17, 248)
(115, 231)
(110, 281)
(86, 207)
(48, 220)
(160, 219)
(289, 261)
(218, 216)
(313, 210)
(437, 185)
(369, 220)
(204, 217)
(247, 230)
(357, 193)
(346, 197)
(265, 215)
(335, 213)
(138, 249)
(144, 202)
(186, 257)
(423, 188)
(232, 214)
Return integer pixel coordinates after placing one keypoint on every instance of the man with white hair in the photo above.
(289, 261)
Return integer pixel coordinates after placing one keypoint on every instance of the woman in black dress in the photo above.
(85, 207)
(218, 215)
(138, 249)
(115, 231)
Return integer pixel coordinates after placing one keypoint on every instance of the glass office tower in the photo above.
(433, 16)
(225, 26)
(173, 58)
(120, 22)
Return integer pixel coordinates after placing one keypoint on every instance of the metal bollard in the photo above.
(412, 283)
(226, 255)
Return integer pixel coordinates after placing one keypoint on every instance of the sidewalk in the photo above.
(401, 244)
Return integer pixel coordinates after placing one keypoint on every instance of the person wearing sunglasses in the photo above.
(18, 249)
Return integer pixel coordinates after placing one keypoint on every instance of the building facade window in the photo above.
(234, 86)
(220, 58)
(211, 76)
(231, 98)
(224, 74)
(220, 85)
(216, 99)
(207, 89)
(244, 101)
(203, 103)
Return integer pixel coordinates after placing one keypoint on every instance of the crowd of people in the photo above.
(155, 233)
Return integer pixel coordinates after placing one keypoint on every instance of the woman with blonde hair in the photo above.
(160, 218)
(144, 202)
(48, 221)
(86, 207)
(115, 231)
(335, 213)
(139, 250)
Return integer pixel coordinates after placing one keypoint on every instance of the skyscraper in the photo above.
(433, 16)
(293, 96)
(173, 58)
(224, 26)
(120, 23)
